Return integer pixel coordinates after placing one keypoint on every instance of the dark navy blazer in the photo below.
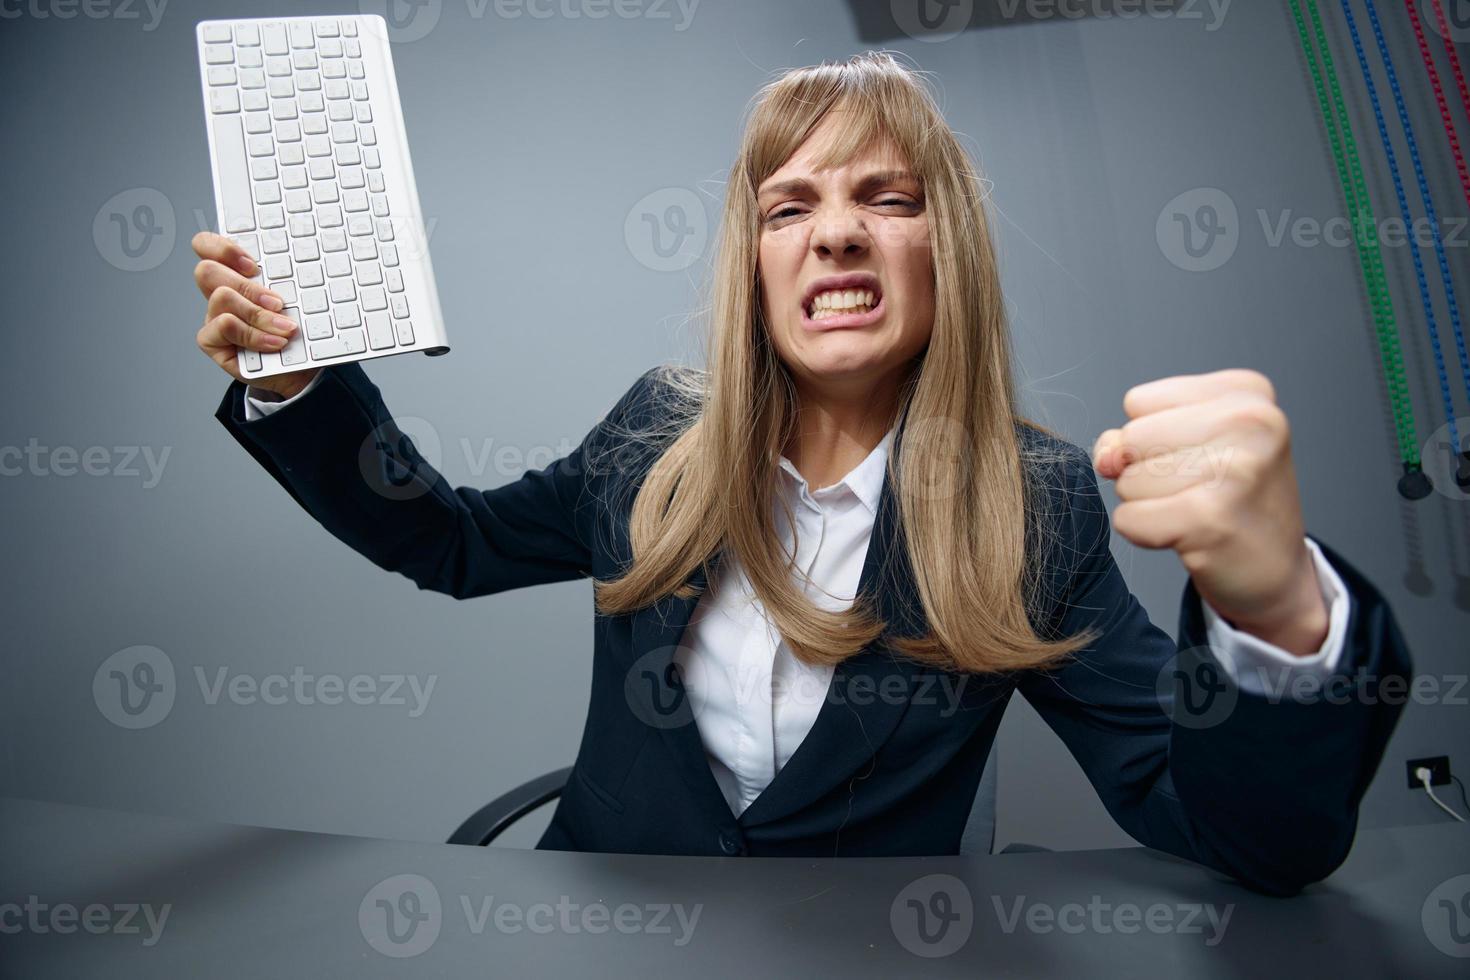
(1265, 789)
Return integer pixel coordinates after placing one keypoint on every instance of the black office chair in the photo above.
(492, 819)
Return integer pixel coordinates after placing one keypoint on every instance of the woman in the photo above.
(787, 671)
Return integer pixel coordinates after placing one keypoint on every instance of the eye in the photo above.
(781, 212)
(901, 202)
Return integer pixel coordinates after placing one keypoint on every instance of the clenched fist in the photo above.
(1204, 467)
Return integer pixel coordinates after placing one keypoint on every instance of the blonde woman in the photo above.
(823, 565)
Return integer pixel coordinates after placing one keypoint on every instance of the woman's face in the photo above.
(832, 242)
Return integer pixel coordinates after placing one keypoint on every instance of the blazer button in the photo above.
(730, 844)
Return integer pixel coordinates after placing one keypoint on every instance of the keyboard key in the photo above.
(353, 49)
(306, 250)
(349, 28)
(314, 124)
(260, 145)
(295, 350)
(389, 254)
(405, 332)
(399, 302)
(318, 327)
(364, 115)
(272, 217)
(283, 109)
(329, 49)
(340, 112)
(324, 191)
(348, 155)
(334, 240)
(254, 101)
(335, 88)
(385, 230)
(278, 67)
(301, 34)
(364, 249)
(329, 216)
(338, 264)
(318, 146)
(375, 181)
(249, 58)
(370, 159)
(297, 202)
(380, 206)
(310, 275)
(355, 201)
(278, 266)
(224, 100)
(291, 155)
(287, 292)
(359, 224)
(217, 33)
(249, 243)
(221, 76)
(218, 54)
(351, 178)
(311, 101)
(343, 132)
(293, 178)
(274, 240)
(394, 279)
(303, 60)
(321, 168)
(346, 342)
(234, 178)
(247, 36)
(302, 226)
(250, 359)
(313, 300)
(347, 315)
(257, 122)
(373, 298)
(288, 131)
(273, 38)
(263, 168)
(325, 28)
(379, 331)
(369, 274)
(354, 70)
(308, 81)
(252, 78)
(341, 291)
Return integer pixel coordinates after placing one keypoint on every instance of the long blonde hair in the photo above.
(972, 485)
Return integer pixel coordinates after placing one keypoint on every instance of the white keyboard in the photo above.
(312, 177)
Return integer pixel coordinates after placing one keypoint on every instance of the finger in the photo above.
(1183, 521)
(227, 328)
(1185, 389)
(226, 251)
(209, 275)
(1170, 473)
(226, 300)
(1204, 435)
(1110, 454)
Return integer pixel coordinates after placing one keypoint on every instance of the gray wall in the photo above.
(534, 139)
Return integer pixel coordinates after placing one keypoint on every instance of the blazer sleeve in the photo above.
(1264, 787)
(338, 452)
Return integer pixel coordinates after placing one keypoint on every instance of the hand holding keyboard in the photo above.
(313, 181)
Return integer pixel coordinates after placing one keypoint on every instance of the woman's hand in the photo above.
(1205, 468)
(241, 313)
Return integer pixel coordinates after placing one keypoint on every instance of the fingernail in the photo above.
(273, 341)
(271, 301)
(284, 322)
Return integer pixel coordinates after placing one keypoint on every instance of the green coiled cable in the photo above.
(1414, 484)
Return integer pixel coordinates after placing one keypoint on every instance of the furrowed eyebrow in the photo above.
(872, 181)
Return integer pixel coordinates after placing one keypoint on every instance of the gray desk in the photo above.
(114, 894)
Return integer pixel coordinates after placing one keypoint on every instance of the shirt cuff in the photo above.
(1258, 667)
(260, 402)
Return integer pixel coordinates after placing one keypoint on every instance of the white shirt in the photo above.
(753, 701)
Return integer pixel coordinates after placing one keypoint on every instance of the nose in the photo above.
(840, 231)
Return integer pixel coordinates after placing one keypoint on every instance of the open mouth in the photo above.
(840, 302)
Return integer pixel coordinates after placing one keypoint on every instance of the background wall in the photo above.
(541, 135)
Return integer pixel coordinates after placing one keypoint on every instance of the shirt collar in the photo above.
(865, 480)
